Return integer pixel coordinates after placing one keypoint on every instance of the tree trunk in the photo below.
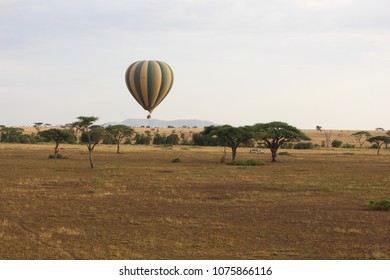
(274, 154)
(117, 148)
(90, 157)
(234, 152)
(56, 150)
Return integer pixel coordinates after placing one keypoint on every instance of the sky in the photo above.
(304, 62)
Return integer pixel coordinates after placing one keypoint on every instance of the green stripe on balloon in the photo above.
(150, 84)
(137, 82)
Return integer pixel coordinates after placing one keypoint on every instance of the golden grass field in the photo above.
(310, 204)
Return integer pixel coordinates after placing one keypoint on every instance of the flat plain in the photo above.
(310, 204)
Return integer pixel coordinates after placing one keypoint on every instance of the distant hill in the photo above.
(163, 123)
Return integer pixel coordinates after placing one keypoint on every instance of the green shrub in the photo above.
(172, 139)
(374, 146)
(283, 153)
(198, 139)
(379, 205)
(142, 139)
(337, 143)
(348, 146)
(176, 160)
(250, 162)
(304, 146)
(127, 141)
(59, 156)
(287, 145)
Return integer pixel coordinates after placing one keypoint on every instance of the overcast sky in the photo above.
(305, 62)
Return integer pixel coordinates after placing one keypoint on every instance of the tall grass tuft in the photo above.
(379, 205)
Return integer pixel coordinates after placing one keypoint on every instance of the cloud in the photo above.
(325, 4)
(218, 49)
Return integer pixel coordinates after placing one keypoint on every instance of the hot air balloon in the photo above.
(149, 82)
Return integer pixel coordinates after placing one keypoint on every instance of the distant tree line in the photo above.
(17, 135)
(273, 135)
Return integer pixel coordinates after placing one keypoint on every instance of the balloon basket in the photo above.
(148, 117)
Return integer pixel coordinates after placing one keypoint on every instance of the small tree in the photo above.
(119, 132)
(230, 136)
(275, 134)
(38, 126)
(361, 137)
(379, 141)
(91, 134)
(58, 136)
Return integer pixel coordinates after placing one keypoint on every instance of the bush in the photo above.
(172, 139)
(250, 162)
(348, 146)
(127, 141)
(283, 153)
(336, 143)
(176, 160)
(304, 146)
(159, 139)
(109, 139)
(379, 205)
(142, 139)
(287, 145)
(198, 139)
(35, 139)
(59, 156)
(374, 146)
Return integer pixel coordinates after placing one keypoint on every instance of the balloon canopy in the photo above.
(149, 82)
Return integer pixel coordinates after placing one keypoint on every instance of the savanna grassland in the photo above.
(310, 204)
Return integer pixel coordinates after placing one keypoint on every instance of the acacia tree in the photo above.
(119, 132)
(230, 136)
(275, 134)
(91, 135)
(379, 141)
(361, 137)
(58, 136)
(38, 126)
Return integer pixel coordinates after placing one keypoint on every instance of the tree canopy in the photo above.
(230, 136)
(58, 136)
(361, 137)
(91, 134)
(274, 134)
(119, 132)
(379, 141)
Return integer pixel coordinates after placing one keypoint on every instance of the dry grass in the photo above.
(140, 205)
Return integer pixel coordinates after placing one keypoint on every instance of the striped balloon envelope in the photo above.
(149, 82)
